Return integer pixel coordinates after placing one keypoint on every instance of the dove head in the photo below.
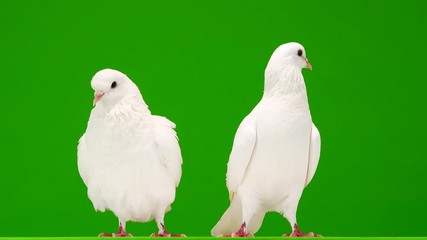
(283, 72)
(292, 54)
(111, 86)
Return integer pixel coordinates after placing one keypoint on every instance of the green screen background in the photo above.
(201, 64)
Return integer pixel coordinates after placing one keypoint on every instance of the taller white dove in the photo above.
(129, 159)
(275, 151)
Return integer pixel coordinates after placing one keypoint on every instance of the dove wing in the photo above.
(167, 144)
(241, 154)
(314, 154)
(81, 153)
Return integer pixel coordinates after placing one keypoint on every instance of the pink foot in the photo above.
(165, 233)
(115, 235)
(240, 233)
(120, 233)
(297, 233)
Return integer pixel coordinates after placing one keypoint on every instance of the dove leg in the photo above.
(121, 232)
(296, 232)
(240, 233)
(247, 214)
(162, 230)
(289, 210)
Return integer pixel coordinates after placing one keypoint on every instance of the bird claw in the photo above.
(297, 233)
(105, 235)
(234, 235)
(240, 233)
(160, 235)
(167, 235)
(120, 234)
(310, 234)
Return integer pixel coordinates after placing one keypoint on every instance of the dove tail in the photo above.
(231, 220)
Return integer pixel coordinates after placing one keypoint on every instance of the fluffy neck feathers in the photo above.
(285, 83)
(130, 108)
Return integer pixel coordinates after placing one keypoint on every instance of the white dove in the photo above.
(129, 159)
(275, 151)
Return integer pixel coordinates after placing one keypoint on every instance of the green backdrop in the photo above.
(201, 64)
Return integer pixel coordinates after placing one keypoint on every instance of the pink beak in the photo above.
(98, 96)
(308, 65)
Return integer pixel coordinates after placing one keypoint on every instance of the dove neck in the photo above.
(286, 84)
(130, 104)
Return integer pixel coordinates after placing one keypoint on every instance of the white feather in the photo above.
(314, 154)
(241, 154)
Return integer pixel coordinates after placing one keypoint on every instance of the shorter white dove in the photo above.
(129, 159)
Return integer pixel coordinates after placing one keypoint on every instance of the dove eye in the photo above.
(300, 52)
(113, 85)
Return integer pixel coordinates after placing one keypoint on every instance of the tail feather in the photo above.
(255, 222)
(231, 220)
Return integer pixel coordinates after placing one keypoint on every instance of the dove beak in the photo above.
(308, 65)
(98, 96)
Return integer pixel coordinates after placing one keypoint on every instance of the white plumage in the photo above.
(129, 159)
(275, 151)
